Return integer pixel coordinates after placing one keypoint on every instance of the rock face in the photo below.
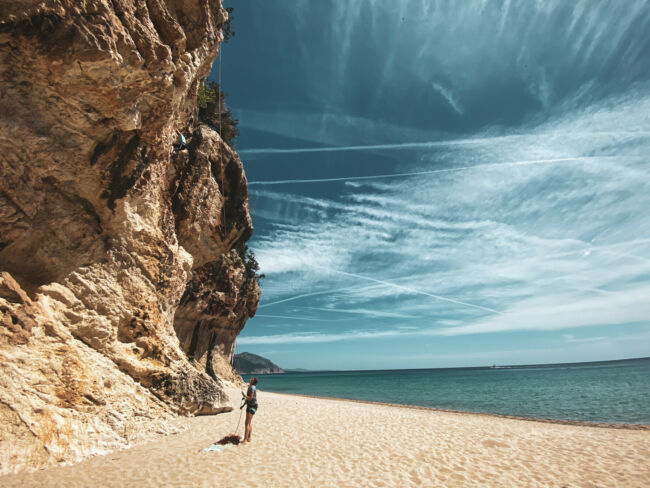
(121, 284)
(248, 363)
(213, 311)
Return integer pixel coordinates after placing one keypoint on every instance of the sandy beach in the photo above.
(305, 441)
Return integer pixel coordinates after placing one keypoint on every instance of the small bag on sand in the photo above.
(230, 439)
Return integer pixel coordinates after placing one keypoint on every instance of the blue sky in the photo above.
(440, 184)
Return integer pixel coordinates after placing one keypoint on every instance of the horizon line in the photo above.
(538, 365)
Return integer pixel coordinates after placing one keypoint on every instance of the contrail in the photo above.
(406, 288)
(428, 172)
(428, 144)
(401, 145)
(388, 283)
(303, 295)
(295, 318)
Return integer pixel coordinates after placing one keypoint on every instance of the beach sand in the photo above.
(304, 441)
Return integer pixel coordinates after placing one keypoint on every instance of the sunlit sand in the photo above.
(304, 441)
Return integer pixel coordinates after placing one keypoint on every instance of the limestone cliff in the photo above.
(121, 285)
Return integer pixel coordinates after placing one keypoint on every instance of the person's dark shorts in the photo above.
(251, 409)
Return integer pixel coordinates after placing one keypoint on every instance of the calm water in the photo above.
(614, 391)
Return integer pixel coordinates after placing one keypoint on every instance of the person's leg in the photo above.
(248, 427)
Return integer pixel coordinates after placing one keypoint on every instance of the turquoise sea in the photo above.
(612, 391)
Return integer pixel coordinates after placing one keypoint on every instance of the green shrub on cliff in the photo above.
(205, 96)
(252, 266)
(213, 111)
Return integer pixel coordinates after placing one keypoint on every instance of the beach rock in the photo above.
(104, 226)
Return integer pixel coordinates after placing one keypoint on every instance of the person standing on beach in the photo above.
(251, 408)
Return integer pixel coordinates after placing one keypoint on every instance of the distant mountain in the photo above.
(247, 363)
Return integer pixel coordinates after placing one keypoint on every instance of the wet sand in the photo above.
(306, 441)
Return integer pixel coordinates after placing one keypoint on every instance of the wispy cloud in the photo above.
(294, 317)
(316, 338)
(448, 96)
(494, 237)
(530, 216)
(564, 312)
(408, 289)
(365, 312)
(476, 167)
(572, 339)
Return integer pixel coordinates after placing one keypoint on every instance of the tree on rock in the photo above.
(214, 112)
(252, 266)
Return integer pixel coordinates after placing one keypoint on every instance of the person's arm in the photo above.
(248, 397)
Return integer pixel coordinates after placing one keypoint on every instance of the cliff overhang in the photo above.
(121, 285)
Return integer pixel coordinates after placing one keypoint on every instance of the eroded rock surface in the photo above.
(104, 227)
(213, 311)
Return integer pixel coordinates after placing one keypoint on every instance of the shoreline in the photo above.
(580, 423)
(301, 440)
